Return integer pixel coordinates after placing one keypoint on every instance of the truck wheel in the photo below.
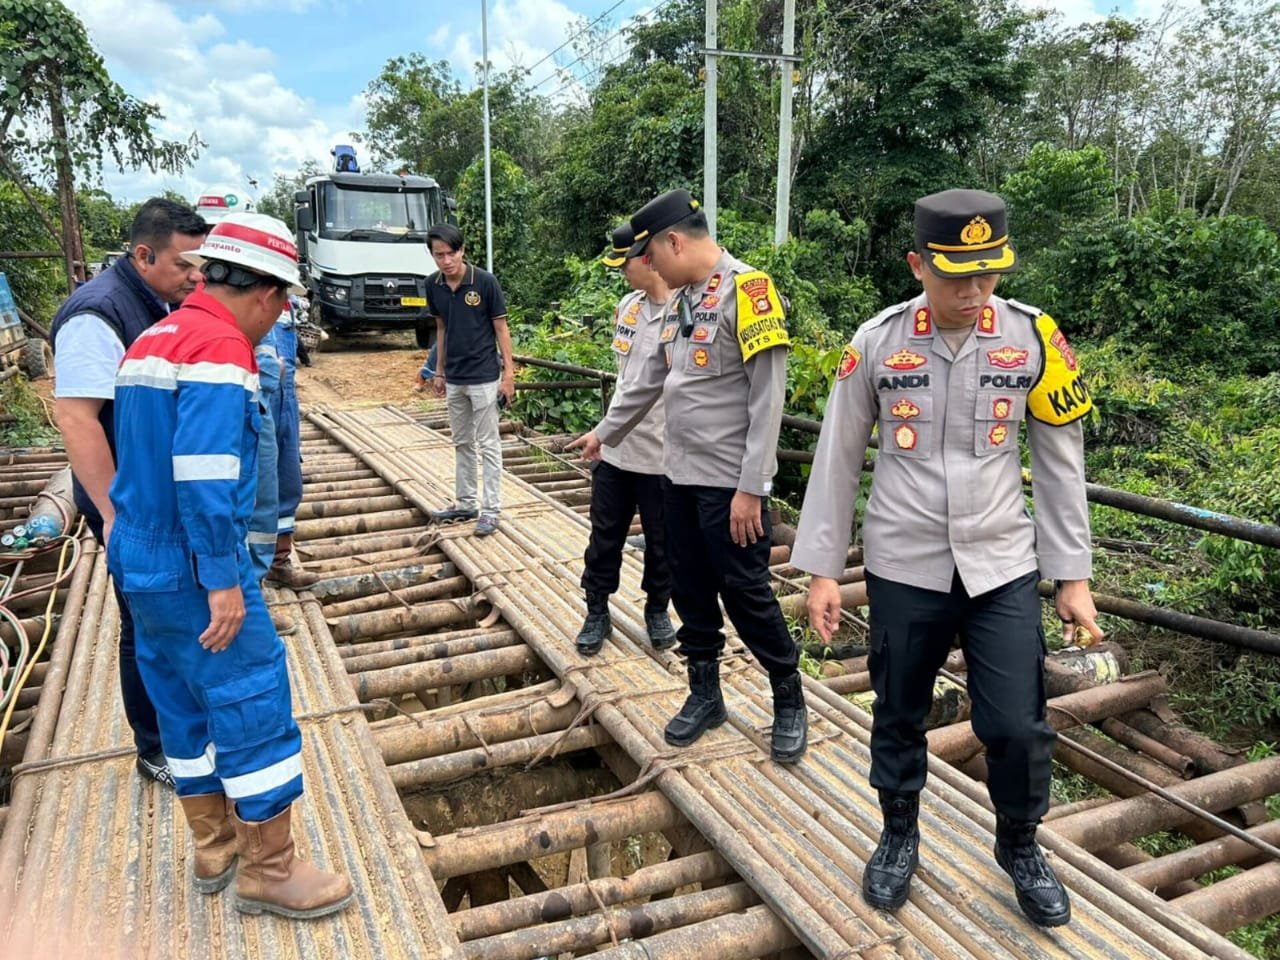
(424, 332)
(37, 358)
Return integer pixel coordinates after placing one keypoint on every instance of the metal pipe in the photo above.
(335, 589)
(475, 728)
(443, 673)
(958, 742)
(429, 771)
(382, 623)
(1166, 809)
(1202, 858)
(540, 835)
(433, 646)
(318, 509)
(1235, 901)
(566, 368)
(423, 592)
(1203, 627)
(363, 523)
(756, 932)
(580, 934)
(579, 898)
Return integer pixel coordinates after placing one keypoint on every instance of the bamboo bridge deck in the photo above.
(764, 860)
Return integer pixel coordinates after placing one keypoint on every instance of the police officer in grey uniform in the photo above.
(721, 370)
(948, 379)
(629, 475)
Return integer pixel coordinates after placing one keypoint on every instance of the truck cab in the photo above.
(362, 241)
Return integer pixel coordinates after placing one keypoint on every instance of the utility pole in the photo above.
(782, 209)
(710, 139)
(488, 173)
(788, 59)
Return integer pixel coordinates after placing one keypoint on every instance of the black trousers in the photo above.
(615, 495)
(708, 567)
(1003, 643)
(138, 708)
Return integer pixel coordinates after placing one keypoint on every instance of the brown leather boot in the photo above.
(284, 571)
(272, 879)
(214, 835)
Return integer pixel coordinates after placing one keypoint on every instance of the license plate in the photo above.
(413, 301)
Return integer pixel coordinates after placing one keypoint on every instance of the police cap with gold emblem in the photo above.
(962, 233)
(659, 213)
(623, 237)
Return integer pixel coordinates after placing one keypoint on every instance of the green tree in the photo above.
(63, 115)
(512, 227)
(278, 200)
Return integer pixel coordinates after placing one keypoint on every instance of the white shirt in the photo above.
(87, 353)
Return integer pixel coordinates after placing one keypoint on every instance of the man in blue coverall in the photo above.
(187, 417)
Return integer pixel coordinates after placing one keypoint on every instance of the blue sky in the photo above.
(269, 84)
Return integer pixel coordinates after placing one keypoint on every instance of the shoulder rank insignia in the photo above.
(849, 361)
(905, 359)
(760, 315)
(1060, 395)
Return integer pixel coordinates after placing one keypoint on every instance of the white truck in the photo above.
(362, 245)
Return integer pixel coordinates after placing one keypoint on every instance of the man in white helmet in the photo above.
(187, 418)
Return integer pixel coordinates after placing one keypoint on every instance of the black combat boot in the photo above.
(887, 878)
(597, 627)
(790, 719)
(703, 710)
(657, 623)
(1040, 894)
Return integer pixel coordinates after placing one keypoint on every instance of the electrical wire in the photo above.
(600, 47)
(580, 32)
(12, 694)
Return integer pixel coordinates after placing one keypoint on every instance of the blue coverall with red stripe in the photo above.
(187, 425)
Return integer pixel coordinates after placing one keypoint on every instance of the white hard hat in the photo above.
(255, 242)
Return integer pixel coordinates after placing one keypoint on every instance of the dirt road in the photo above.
(356, 370)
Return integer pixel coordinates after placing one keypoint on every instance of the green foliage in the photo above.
(1202, 291)
(278, 200)
(1056, 191)
(30, 426)
(38, 285)
(512, 227)
(50, 74)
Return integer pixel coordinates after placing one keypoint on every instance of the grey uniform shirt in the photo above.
(637, 327)
(947, 488)
(723, 412)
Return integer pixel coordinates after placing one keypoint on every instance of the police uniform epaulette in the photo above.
(1026, 308)
(888, 313)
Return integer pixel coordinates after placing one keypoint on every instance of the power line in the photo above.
(570, 40)
(600, 47)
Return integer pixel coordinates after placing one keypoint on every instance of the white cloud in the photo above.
(226, 90)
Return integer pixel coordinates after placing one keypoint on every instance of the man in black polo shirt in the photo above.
(471, 327)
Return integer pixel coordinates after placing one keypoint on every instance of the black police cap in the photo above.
(962, 233)
(659, 213)
(623, 238)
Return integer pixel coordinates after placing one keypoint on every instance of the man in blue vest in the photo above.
(90, 334)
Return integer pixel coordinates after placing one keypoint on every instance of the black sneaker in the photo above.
(156, 768)
(454, 513)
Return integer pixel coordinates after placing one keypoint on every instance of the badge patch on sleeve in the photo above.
(760, 315)
(1060, 396)
(849, 361)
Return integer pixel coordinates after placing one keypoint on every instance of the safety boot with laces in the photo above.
(704, 707)
(1040, 893)
(657, 624)
(887, 878)
(790, 733)
(597, 626)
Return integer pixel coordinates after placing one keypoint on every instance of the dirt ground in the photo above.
(373, 368)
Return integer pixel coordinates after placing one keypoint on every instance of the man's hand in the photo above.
(226, 613)
(508, 388)
(419, 382)
(1075, 608)
(589, 444)
(437, 384)
(824, 606)
(745, 524)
